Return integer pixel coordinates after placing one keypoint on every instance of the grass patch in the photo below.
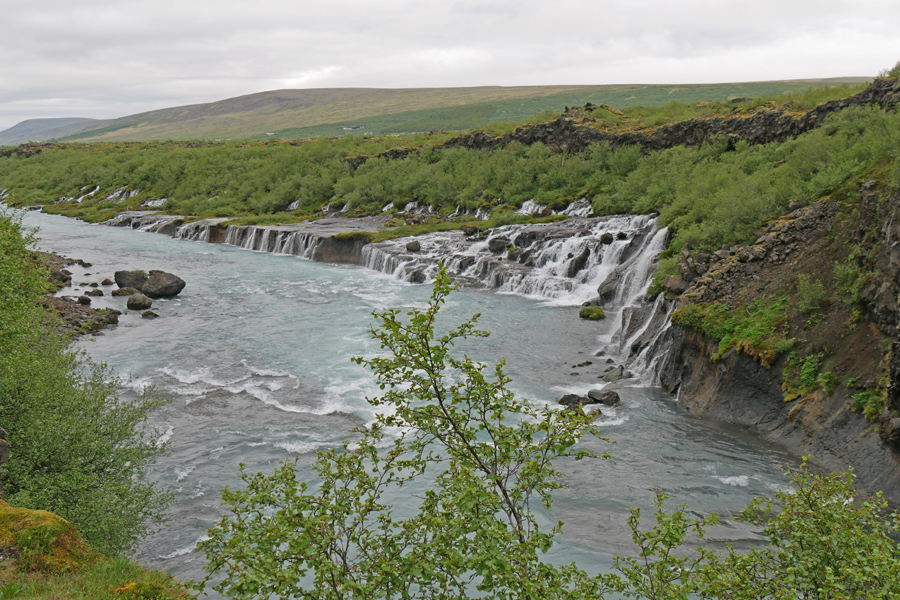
(756, 330)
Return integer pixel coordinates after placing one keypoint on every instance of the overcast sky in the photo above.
(104, 59)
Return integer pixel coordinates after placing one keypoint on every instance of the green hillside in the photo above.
(355, 111)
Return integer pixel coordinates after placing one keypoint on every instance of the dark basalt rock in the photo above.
(498, 244)
(578, 263)
(126, 291)
(149, 314)
(84, 300)
(574, 400)
(607, 397)
(413, 246)
(94, 293)
(162, 285)
(130, 279)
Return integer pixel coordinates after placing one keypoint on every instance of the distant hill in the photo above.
(355, 111)
(39, 130)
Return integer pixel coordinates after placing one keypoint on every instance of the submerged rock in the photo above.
(125, 291)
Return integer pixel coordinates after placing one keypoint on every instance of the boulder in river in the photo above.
(613, 374)
(158, 284)
(130, 279)
(607, 397)
(414, 246)
(162, 285)
(574, 400)
(138, 302)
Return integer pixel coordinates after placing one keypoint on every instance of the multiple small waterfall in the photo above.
(602, 260)
(274, 240)
(607, 261)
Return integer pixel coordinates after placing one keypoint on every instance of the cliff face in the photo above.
(852, 333)
(738, 390)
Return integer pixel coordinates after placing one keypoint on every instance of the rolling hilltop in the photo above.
(342, 111)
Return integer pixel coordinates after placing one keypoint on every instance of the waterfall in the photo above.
(274, 240)
(603, 260)
(198, 231)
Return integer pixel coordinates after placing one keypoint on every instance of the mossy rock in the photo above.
(593, 313)
(41, 540)
(353, 236)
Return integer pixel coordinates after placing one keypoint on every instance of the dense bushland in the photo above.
(78, 450)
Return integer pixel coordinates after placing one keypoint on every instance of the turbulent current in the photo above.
(255, 354)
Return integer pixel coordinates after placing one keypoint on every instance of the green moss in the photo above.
(593, 313)
(353, 236)
(757, 330)
(43, 541)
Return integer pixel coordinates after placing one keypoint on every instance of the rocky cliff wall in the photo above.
(739, 390)
(854, 337)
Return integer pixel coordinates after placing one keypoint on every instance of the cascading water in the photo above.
(276, 241)
(603, 260)
(599, 260)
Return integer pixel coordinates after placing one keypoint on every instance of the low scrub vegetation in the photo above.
(757, 330)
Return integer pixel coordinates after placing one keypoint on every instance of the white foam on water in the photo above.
(182, 473)
(735, 481)
(185, 550)
(165, 437)
(299, 447)
(611, 422)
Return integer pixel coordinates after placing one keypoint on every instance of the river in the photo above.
(255, 354)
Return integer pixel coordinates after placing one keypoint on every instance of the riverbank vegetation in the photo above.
(79, 450)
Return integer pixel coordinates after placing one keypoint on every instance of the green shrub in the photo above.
(809, 373)
(870, 403)
(810, 294)
(489, 455)
(824, 541)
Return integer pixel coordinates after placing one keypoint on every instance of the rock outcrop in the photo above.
(576, 129)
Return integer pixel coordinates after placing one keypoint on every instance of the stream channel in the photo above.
(255, 353)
